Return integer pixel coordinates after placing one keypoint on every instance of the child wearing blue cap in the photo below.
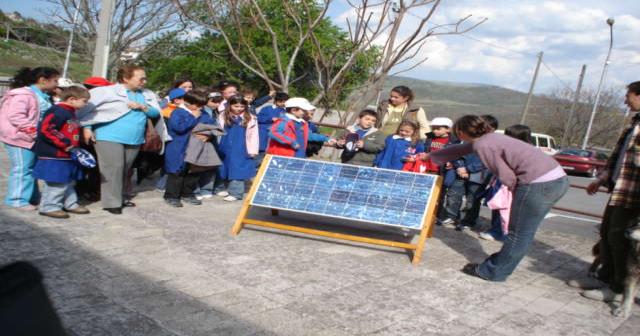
(58, 137)
(175, 100)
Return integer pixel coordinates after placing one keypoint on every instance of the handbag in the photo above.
(152, 141)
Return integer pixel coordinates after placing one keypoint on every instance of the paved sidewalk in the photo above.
(161, 271)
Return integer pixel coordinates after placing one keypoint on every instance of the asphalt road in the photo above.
(577, 199)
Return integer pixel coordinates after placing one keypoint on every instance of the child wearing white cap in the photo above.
(288, 136)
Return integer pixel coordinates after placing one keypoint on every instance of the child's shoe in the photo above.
(80, 210)
(230, 198)
(462, 227)
(193, 200)
(174, 202)
(486, 236)
(204, 197)
(223, 193)
(55, 214)
(447, 222)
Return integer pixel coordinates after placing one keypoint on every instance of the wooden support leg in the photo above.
(241, 216)
(417, 253)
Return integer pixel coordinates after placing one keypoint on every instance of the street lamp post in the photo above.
(67, 57)
(610, 22)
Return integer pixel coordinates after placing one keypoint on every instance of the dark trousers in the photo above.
(614, 246)
(181, 184)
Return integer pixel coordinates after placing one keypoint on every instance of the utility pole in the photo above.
(533, 84)
(70, 46)
(103, 40)
(576, 97)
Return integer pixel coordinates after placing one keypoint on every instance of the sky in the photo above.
(502, 51)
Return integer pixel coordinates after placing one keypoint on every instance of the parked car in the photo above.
(545, 142)
(574, 160)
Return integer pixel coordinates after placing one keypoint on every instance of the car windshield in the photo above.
(575, 152)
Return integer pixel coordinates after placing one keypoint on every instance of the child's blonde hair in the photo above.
(415, 136)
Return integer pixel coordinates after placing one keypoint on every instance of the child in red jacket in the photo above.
(58, 135)
(288, 136)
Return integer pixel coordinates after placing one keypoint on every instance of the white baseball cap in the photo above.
(65, 82)
(299, 102)
(441, 121)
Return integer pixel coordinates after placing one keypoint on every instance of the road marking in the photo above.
(551, 215)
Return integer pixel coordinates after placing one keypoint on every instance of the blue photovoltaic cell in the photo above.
(331, 189)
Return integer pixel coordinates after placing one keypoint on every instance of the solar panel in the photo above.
(374, 195)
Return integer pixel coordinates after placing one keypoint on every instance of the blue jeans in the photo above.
(22, 188)
(496, 226)
(453, 201)
(235, 188)
(161, 184)
(57, 196)
(531, 203)
(472, 203)
(206, 182)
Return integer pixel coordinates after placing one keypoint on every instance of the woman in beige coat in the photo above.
(400, 107)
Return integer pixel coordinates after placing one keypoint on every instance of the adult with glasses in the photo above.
(115, 120)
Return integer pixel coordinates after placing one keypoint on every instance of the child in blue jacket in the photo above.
(266, 117)
(400, 147)
(181, 182)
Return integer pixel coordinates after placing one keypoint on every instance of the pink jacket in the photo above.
(19, 115)
(501, 201)
(251, 137)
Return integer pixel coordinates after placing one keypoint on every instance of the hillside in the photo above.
(16, 54)
(453, 100)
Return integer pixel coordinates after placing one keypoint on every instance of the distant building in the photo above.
(130, 54)
(15, 16)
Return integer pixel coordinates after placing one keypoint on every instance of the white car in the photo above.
(545, 142)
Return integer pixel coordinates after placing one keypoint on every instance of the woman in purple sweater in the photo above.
(536, 180)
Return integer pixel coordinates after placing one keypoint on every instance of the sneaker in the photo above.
(486, 236)
(602, 294)
(222, 193)
(193, 200)
(586, 283)
(206, 196)
(55, 214)
(448, 222)
(199, 197)
(461, 227)
(174, 202)
(80, 210)
(230, 198)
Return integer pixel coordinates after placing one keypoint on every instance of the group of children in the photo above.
(219, 137)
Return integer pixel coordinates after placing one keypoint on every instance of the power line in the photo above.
(556, 76)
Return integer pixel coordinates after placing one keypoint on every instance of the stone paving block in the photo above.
(544, 306)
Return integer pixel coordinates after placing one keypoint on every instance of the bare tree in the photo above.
(553, 113)
(133, 22)
(232, 17)
(408, 50)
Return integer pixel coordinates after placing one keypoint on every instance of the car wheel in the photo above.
(593, 173)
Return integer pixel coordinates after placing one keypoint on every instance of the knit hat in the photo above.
(176, 93)
(97, 81)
